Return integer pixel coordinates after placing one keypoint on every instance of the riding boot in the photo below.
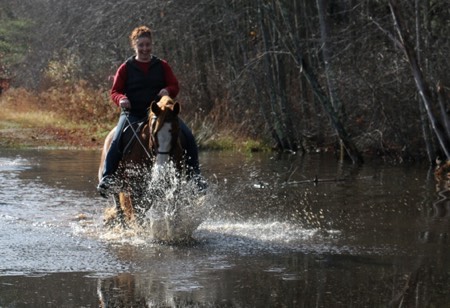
(110, 166)
(192, 161)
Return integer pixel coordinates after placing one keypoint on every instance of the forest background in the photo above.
(360, 78)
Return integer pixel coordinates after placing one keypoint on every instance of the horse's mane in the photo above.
(166, 101)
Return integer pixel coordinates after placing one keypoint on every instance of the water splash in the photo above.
(17, 164)
(177, 207)
(255, 236)
(170, 208)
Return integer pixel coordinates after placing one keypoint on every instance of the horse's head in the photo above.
(164, 130)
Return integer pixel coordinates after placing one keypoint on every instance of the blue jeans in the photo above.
(114, 154)
(191, 154)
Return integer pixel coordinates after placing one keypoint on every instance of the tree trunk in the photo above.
(327, 53)
(423, 118)
(421, 84)
(281, 123)
(327, 59)
(348, 144)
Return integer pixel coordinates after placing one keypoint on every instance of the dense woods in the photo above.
(360, 78)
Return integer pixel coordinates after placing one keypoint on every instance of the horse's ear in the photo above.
(176, 108)
(155, 108)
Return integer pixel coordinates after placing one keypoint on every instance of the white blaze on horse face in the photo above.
(164, 136)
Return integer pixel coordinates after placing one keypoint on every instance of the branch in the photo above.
(388, 33)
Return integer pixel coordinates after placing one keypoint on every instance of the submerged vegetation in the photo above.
(356, 78)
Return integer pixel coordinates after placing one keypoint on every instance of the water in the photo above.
(362, 236)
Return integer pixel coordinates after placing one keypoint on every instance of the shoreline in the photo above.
(48, 138)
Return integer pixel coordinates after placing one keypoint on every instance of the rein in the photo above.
(155, 126)
(136, 135)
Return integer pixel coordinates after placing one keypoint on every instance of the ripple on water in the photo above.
(36, 233)
(32, 249)
(37, 224)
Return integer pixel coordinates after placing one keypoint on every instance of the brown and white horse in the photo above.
(157, 143)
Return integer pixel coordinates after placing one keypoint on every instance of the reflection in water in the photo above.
(361, 236)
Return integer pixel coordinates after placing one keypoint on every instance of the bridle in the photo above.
(156, 120)
(153, 133)
(155, 128)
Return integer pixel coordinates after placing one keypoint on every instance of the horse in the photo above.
(157, 143)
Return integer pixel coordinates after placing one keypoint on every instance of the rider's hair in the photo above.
(138, 32)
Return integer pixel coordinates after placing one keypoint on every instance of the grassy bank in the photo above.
(37, 129)
(52, 119)
(80, 117)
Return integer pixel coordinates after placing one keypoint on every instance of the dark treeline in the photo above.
(356, 77)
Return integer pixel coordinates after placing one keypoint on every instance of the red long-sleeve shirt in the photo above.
(118, 88)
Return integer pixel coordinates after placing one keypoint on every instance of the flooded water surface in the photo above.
(278, 231)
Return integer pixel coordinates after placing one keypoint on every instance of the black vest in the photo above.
(142, 89)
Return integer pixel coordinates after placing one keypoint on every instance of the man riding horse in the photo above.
(138, 82)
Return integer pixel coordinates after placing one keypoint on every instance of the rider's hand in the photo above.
(124, 103)
(163, 92)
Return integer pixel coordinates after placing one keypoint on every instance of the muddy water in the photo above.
(362, 236)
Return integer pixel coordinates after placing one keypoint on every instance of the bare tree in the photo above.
(297, 74)
(421, 83)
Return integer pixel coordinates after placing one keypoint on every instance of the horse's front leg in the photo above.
(116, 215)
(141, 199)
(119, 209)
(126, 207)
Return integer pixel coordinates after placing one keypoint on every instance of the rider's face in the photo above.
(143, 49)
